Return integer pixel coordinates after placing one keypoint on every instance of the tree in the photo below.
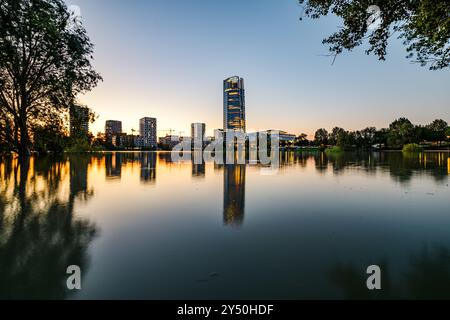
(401, 132)
(45, 62)
(423, 133)
(367, 137)
(381, 137)
(423, 25)
(50, 134)
(438, 130)
(334, 135)
(346, 139)
(100, 142)
(302, 140)
(321, 137)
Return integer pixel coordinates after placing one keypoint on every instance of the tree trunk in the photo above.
(24, 151)
(24, 143)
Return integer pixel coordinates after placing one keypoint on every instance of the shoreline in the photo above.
(2, 154)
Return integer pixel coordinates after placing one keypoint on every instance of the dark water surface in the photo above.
(143, 227)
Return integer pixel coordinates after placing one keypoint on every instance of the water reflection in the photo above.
(198, 167)
(148, 167)
(301, 226)
(401, 167)
(39, 234)
(113, 165)
(233, 194)
(427, 277)
(79, 178)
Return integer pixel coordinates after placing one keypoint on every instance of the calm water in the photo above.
(143, 227)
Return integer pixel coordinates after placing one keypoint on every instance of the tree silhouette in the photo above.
(45, 61)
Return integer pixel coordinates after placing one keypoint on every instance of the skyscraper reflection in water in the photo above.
(148, 167)
(113, 165)
(233, 194)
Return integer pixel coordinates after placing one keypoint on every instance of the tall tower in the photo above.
(147, 131)
(234, 104)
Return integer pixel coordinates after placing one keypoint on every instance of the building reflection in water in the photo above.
(233, 194)
(113, 165)
(165, 157)
(198, 164)
(148, 167)
(78, 175)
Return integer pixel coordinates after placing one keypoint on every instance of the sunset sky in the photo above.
(167, 59)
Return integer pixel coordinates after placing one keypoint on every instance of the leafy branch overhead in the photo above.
(422, 25)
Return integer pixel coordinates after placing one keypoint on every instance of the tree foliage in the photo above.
(50, 134)
(45, 62)
(302, 140)
(321, 137)
(438, 130)
(400, 133)
(422, 25)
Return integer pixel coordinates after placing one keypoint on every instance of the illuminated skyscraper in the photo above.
(234, 104)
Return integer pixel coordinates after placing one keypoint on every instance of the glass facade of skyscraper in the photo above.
(234, 104)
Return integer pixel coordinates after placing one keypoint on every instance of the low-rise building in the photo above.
(169, 141)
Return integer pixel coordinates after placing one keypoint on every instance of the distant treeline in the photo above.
(399, 133)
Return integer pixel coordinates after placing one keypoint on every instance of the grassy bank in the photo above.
(334, 149)
(412, 148)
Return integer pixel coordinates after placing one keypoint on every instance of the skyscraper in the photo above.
(234, 104)
(79, 121)
(147, 131)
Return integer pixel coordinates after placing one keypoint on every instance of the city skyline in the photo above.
(251, 152)
(178, 55)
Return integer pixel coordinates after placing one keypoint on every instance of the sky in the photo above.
(167, 59)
